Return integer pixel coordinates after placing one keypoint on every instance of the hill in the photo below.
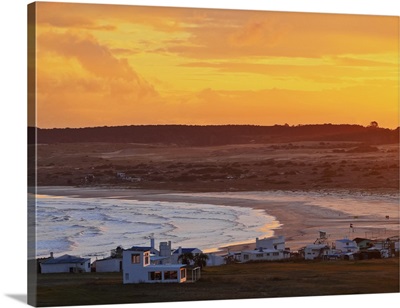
(212, 135)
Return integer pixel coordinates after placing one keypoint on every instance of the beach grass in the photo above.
(233, 281)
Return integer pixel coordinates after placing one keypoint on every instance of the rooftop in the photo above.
(345, 240)
(65, 259)
(140, 248)
(313, 246)
(184, 250)
(256, 251)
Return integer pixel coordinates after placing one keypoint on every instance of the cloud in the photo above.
(261, 32)
(104, 17)
(63, 15)
(289, 35)
(80, 78)
(123, 51)
(352, 61)
(94, 58)
(335, 70)
(211, 33)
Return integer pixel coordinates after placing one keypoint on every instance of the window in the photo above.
(154, 275)
(259, 255)
(275, 253)
(88, 265)
(245, 257)
(135, 258)
(183, 273)
(170, 275)
(146, 258)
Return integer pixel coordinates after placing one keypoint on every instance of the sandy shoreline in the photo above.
(300, 214)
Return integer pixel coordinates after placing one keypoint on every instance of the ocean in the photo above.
(92, 227)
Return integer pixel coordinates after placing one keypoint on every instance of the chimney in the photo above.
(51, 255)
(152, 242)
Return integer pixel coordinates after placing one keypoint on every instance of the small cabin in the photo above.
(346, 246)
(264, 255)
(315, 251)
(65, 264)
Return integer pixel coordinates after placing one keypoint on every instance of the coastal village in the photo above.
(146, 264)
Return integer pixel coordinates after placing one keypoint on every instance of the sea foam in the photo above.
(94, 226)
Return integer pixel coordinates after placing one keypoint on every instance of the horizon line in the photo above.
(213, 125)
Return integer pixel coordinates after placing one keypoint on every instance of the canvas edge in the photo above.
(31, 146)
(31, 142)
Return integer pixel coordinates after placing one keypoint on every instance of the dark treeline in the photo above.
(192, 135)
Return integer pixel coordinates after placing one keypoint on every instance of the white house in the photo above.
(65, 264)
(137, 268)
(215, 260)
(272, 243)
(113, 263)
(264, 255)
(315, 251)
(269, 249)
(346, 246)
(109, 265)
(175, 255)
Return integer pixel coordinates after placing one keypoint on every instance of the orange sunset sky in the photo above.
(100, 65)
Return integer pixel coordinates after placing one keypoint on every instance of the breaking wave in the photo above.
(94, 226)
